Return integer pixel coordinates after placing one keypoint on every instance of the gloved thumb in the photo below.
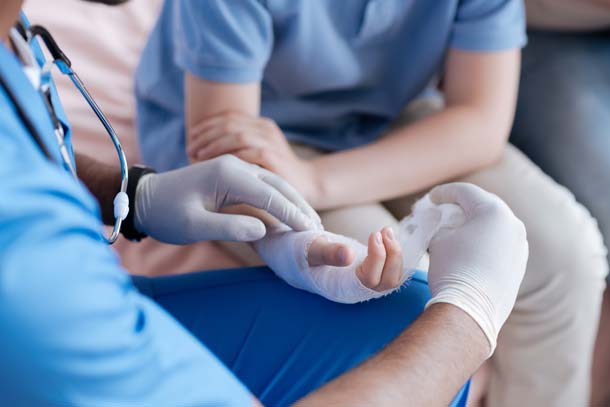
(220, 226)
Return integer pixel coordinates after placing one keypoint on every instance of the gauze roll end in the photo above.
(417, 230)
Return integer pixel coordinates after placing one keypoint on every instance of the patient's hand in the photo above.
(335, 267)
(381, 270)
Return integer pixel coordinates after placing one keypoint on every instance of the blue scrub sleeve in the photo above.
(489, 25)
(222, 41)
(75, 332)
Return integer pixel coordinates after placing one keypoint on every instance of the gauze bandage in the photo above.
(417, 230)
(286, 253)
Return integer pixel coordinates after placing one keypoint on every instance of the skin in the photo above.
(425, 365)
(410, 372)
(381, 270)
(102, 180)
(8, 17)
(470, 133)
(600, 393)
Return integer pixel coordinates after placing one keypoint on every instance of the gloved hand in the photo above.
(479, 265)
(181, 206)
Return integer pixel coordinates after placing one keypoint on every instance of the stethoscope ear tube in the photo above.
(49, 41)
(119, 213)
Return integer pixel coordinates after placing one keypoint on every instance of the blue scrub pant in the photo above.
(283, 343)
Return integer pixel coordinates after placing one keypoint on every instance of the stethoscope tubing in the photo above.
(121, 202)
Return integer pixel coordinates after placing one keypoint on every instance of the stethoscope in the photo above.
(121, 200)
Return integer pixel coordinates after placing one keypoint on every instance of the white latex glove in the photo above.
(479, 265)
(181, 206)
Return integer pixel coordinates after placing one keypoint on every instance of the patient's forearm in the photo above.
(440, 147)
(425, 366)
(102, 180)
(204, 99)
(470, 133)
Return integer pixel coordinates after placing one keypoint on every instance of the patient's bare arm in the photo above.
(425, 366)
(102, 180)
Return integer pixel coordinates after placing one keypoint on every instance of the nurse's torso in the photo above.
(338, 72)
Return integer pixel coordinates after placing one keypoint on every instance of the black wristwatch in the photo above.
(128, 228)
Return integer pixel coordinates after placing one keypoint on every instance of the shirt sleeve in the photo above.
(489, 25)
(223, 41)
(75, 332)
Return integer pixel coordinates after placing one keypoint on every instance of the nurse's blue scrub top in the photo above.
(73, 330)
(334, 73)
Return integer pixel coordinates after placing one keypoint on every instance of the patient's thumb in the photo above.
(323, 253)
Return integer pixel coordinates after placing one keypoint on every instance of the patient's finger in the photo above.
(228, 144)
(324, 253)
(197, 138)
(201, 140)
(257, 156)
(371, 268)
(227, 121)
(392, 270)
(216, 129)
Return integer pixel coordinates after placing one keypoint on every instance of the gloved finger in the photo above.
(261, 195)
(291, 193)
(391, 277)
(371, 268)
(465, 195)
(221, 226)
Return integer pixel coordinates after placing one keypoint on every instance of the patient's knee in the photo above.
(566, 246)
